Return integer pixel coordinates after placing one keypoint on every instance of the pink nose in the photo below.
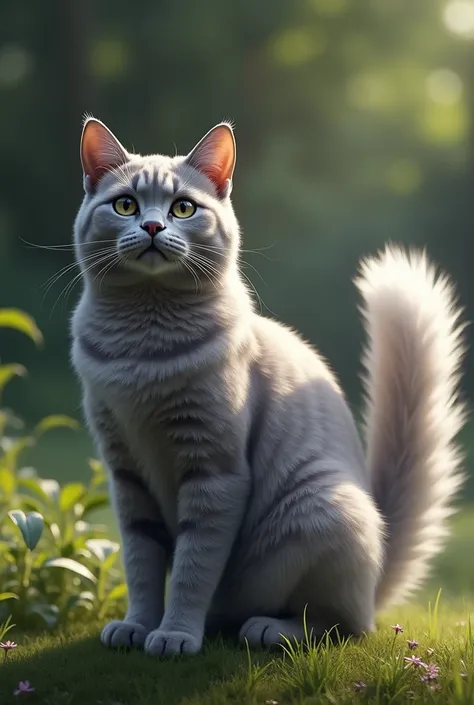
(152, 227)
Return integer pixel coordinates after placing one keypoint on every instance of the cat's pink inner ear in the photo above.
(100, 151)
(214, 156)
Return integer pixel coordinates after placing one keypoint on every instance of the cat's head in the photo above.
(156, 219)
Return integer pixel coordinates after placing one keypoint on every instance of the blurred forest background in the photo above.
(354, 126)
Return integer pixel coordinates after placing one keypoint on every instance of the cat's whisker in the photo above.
(247, 264)
(206, 260)
(64, 270)
(105, 270)
(206, 263)
(64, 247)
(68, 288)
(190, 269)
(78, 277)
(203, 266)
(214, 248)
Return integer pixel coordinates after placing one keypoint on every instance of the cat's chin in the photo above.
(150, 263)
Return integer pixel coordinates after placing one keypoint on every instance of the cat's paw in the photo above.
(267, 631)
(167, 643)
(128, 634)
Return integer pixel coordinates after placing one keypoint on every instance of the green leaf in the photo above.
(48, 613)
(5, 627)
(31, 526)
(95, 465)
(31, 504)
(109, 561)
(96, 501)
(117, 592)
(72, 566)
(33, 485)
(55, 421)
(84, 600)
(70, 494)
(7, 372)
(102, 548)
(7, 482)
(8, 596)
(13, 452)
(21, 321)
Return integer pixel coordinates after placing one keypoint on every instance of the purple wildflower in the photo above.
(7, 645)
(412, 644)
(359, 686)
(414, 661)
(23, 687)
(432, 673)
(397, 628)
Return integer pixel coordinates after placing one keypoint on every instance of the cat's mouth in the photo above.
(151, 253)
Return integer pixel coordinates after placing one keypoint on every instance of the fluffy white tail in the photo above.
(412, 371)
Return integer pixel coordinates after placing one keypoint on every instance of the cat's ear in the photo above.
(214, 156)
(100, 152)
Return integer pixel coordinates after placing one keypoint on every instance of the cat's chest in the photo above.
(155, 458)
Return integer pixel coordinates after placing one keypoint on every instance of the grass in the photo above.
(73, 668)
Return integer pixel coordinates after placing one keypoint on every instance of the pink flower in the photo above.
(23, 687)
(397, 628)
(7, 645)
(412, 644)
(432, 673)
(360, 685)
(414, 661)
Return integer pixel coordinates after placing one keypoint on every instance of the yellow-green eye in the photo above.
(125, 206)
(183, 209)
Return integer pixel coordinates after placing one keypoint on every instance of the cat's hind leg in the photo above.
(330, 560)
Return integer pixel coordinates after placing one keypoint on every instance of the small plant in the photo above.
(54, 563)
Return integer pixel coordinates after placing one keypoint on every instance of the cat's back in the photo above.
(298, 406)
(288, 357)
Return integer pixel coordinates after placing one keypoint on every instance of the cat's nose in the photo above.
(152, 227)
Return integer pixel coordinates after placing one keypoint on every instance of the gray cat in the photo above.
(234, 460)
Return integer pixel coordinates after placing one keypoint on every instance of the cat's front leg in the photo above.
(147, 549)
(146, 544)
(211, 506)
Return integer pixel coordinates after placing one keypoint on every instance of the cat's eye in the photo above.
(183, 209)
(125, 206)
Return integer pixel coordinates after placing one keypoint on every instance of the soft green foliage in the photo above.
(74, 668)
(55, 564)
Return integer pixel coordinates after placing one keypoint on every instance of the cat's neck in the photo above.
(229, 301)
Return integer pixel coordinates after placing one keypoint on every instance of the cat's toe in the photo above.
(169, 643)
(124, 634)
(264, 631)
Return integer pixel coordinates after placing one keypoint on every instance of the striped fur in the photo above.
(234, 460)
